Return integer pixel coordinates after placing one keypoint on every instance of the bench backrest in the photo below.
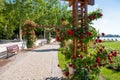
(13, 48)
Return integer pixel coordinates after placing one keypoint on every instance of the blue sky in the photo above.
(110, 22)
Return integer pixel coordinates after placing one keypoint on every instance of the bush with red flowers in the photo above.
(87, 65)
(29, 33)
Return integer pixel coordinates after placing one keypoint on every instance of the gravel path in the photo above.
(37, 64)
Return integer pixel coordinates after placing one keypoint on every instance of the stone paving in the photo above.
(38, 64)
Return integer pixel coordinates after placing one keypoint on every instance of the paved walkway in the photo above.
(37, 64)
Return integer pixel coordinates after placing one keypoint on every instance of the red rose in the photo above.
(87, 67)
(96, 40)
(70, 65)
(111, 61)
(62, 19)
(57, 30)
(57, 39)
(67, 73)
(103, 34)
(98, 59)
(80, 42)
(70, 32)
(80, 56)
(114, 53)
(82, 37)
(95, 66)
(89, 33)
(94, 43)
(101, 50)
(74, 67)
(73, 58)
(99, 40)
(58, 65)
(100, 14)
(99, 64)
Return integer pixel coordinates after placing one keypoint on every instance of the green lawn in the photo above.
(115, 45)
(107, 73)
(110, 74)
(62, 61)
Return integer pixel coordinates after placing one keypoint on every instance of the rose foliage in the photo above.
(29, 33)
(87, 65)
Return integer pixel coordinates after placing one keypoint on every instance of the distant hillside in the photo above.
(111, 35)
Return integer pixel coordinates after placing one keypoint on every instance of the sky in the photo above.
(110, 22)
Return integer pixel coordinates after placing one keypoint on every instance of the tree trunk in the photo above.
(20, 31)
(44, 33)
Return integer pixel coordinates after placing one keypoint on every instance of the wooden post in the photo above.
(75, 24)
(83, 19)
(86, 22)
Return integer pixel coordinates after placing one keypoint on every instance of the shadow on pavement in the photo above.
(45, 50)
(55, 78)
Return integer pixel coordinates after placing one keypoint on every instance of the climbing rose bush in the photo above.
(29, 33)
(87, 65)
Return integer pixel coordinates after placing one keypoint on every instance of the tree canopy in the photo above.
(15, 12)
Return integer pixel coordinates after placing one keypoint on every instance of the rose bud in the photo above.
(70, 64)
(111, 61)
(67, 73)
(101, 49)
(58, 65)
(95, 66)
(103, 34)
(62, 19)
(74, 67)
(87, 66)
(100, 14)
(57, 30)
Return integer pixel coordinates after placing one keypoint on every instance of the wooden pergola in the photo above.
(80, 19)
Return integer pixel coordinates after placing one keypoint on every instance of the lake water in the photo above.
(110, 38)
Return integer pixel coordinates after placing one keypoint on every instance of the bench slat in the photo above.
(12, 49)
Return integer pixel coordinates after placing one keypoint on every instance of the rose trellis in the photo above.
(29, 33)
(81, 44)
